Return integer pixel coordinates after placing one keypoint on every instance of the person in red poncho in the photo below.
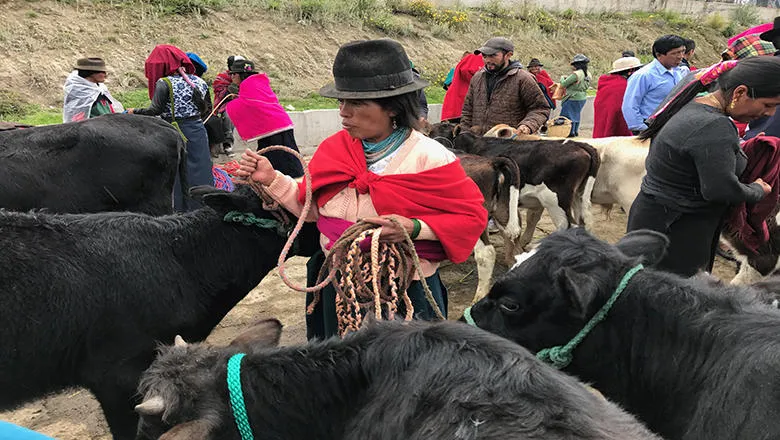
(452, 107)
(379, 166)
(180, 98)
(542, 78)
(607, 113)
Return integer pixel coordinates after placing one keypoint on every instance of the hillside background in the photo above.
(295, 41)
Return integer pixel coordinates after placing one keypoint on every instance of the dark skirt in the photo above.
(572, 110)
(322, 323)
(693, 236)
(282, 161)
(198, 163)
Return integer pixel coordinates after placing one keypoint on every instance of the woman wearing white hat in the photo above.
(607, 113)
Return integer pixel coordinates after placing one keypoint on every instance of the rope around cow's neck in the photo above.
(561, 356)
(236, 395)
(354, 267)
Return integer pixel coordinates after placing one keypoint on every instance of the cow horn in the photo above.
(152, 406)
(505, 132)
(178, 341)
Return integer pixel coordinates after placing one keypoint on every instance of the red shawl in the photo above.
(445, 198)
(164, 61)
(748, 222)
(220, 86)
(456, 93)
(608, 117)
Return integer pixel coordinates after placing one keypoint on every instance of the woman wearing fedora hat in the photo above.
(379, 166)
(607, 107)
(576, 85)
(86, 95)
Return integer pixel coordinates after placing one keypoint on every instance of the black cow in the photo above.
(111, 163)
(753, 266)
(390, 380)
(690, 360)
(85, 299)
(555, 175)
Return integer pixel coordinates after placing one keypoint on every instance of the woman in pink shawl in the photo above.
(258, 116)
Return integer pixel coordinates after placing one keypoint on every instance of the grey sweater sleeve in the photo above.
(716, 164)
(160, 101)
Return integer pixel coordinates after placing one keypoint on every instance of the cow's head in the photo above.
(551, 293)
(243, 199)
(182, 391)
(444, 133)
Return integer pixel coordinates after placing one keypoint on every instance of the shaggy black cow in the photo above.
(690, 360)
(111, 163)
(390, 380)
(85, 299)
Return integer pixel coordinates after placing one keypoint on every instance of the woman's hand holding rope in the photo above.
(256, 167)
(392, 231)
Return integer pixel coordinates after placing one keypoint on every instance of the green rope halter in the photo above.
(561, 356)
(237, 396)
(249, 219)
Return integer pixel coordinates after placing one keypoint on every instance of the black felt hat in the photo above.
(370, 69)
(774, 33)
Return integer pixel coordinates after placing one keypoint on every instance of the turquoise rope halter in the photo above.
(237, 396)
(561, 356)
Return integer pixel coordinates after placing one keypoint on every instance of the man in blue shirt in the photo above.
(650, 84)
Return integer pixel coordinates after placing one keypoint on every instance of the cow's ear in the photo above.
(223, 201)
(200, 429)
(579, 290)
(648, 245)
(265, 333)
(456, 129)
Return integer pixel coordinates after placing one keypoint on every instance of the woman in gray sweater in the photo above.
(695, 160)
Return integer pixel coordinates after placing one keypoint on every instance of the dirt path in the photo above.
(75, 415)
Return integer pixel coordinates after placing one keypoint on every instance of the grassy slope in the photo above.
(40, 40)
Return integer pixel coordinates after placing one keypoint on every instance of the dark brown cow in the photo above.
(555, 175)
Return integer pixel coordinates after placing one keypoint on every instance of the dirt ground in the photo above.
(75, 415)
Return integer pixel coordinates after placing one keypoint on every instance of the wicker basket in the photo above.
(559, 127)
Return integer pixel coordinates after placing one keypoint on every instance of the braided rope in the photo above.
(561, 356)
(237, 403)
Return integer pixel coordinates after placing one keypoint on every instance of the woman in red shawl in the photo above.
(378, 167)
(542, 78)
(607, 114)
(452, 108)
(171, 76)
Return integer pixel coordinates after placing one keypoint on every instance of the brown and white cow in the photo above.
(497, 179)
(619, 176)
(555, 176)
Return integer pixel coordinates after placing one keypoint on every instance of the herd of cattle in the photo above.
(95, 273)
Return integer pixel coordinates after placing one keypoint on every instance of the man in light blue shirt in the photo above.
(650, 84)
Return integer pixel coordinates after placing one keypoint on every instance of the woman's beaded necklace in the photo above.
(376, 151)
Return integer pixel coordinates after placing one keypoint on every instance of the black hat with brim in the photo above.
(774, 33)
(371, 69)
